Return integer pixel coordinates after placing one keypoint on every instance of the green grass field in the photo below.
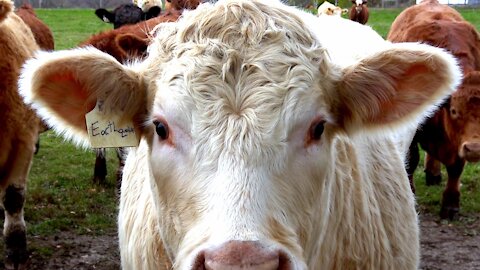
(61, 195)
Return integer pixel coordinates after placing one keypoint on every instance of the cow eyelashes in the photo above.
(161, 128)
(316, 130)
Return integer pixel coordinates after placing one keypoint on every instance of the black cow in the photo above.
(127, 14)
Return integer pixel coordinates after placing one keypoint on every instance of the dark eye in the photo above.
(161, 129)
(316, 130)
(453, 112)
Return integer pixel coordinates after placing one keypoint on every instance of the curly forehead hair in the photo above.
(243, 23)
(245, 27)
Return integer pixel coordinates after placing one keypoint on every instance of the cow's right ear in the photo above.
(63, 86)
(105, 15)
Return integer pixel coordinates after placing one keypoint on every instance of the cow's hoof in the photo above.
(432, 180)
(450, 213)
(16, 260)
(99, 180)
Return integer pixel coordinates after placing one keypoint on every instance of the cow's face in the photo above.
(240, 107)
(240, 137)
(464, 112)
(127, 14)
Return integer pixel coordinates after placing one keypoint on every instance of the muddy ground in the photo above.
(444, 246)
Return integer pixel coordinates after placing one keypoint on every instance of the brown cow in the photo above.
(43, 35)
(181, 4)
(129, 41)
(19, 132)
(452, 135)
(359, 11)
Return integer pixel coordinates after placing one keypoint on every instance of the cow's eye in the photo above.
(453, 112)
(316, 130)
(161, 128)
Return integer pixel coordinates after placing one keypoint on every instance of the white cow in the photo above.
(266, 141)
(145, 5)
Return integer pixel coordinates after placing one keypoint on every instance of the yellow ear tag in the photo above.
(104, 130)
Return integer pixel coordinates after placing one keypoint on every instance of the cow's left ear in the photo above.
(105, 15)
(63, 86)
(131, 46)
(152, 12)
(400, 85)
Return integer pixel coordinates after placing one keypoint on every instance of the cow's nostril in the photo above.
(472, 147)
(270, 265)
(245, 255)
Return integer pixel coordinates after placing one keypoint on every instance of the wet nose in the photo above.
(245, 255)
(470, 151)
(471, 147)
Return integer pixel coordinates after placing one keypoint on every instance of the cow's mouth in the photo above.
(473, 158)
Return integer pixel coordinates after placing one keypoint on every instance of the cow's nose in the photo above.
(471, 151)
(245, 255)
(472, 147)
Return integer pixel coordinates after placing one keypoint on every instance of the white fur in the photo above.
(145, 5)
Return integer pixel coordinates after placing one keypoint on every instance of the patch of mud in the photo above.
(447, 245)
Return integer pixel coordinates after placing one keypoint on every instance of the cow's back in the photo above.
(426, 11)
(43, 35)
(111, 41)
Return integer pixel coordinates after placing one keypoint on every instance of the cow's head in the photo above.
(240, 107)
(463, 117)
(127, 14)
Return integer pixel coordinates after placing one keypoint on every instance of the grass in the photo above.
(71, 26)
(61, 195)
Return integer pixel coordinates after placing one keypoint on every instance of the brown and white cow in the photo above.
(359, 11)
(266, 142)
(19, 132)
(147, 4)
(452, 135)
(327, 8)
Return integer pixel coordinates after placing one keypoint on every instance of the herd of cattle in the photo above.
(266, 142)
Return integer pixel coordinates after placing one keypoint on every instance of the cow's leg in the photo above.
(122, 155)
(451, 195)
(100, 170)
(13, 200)
(433, 174)
(412, 162)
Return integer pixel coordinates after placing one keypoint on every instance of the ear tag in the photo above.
(104, 130)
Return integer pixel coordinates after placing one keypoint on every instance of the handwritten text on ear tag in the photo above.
(105, 131)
